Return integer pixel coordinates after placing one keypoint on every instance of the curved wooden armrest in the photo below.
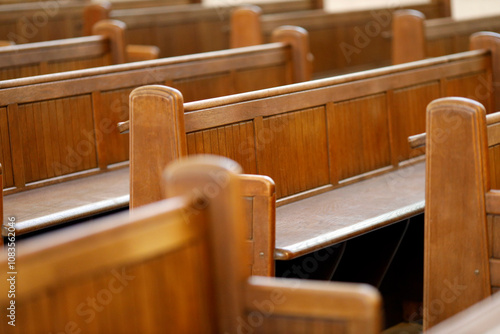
(357, 305)
(142, 52)
(123, 127)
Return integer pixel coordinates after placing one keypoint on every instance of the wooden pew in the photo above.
(65, 128)
(106, 47)
(49, 20)
(180, 259)
(415, 38)
(462, 258)
(340, 42)
(211, 28)
(481, 318)
(340, 140)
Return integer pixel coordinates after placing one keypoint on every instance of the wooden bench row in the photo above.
(322, 142)
(415, 38)
(106, 47)
(65, 128)
(51, 20)
(355, 39)
(181, 259)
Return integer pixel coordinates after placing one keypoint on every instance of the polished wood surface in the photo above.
(320, 135)
(481, 318)
(460, 209)
(75, 113)
(195, 28)
(415, 38)
(189, 264)
(105, 47)
(356, 39)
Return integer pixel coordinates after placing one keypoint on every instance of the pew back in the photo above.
(106, 47)
(415, 38)
(343, 128)
(65, 128)
(356, 39)
(189, 264)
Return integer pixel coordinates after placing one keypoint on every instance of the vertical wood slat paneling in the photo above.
(494, 160)
(151, 298)
(254, 79)
(57, 137)
(473, 87)
(408, 116)
(235, 141)
(276, 323)
(77, 64)
(204, 87)
(288, 158)
(5, 149)
(364, 145)
(113, 108)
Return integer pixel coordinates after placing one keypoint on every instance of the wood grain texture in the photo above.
(450, 223)
(479, 318)
(193, 265)
(371, 103)
(408, 25)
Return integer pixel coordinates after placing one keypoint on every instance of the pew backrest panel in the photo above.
(285, 132)
(106, 47)
(191, 263)
(416, 38)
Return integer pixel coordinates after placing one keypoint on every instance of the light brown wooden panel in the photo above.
(235, 141)
(360, 136)
(475, 86)
(61, 66)
(205, 87)
(290, 146)
(114, 108)
(282, 324)
(121, 291)
(439, 47)
(19, 72)
(254, 79)
(494, 160)
(59, 141)
(408, 115)
(5, 150)
(495, 236)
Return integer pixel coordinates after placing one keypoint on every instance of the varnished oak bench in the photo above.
(63, 133)
(415, 38)
(336, 148)
(211, 28)
(340, 42)
(172, 262)
(462, 258)
(36, 21)
(106, 47)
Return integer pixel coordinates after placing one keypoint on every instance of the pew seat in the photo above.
(319, 221)
(164, 265)
(65, 128)
(68, 201)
